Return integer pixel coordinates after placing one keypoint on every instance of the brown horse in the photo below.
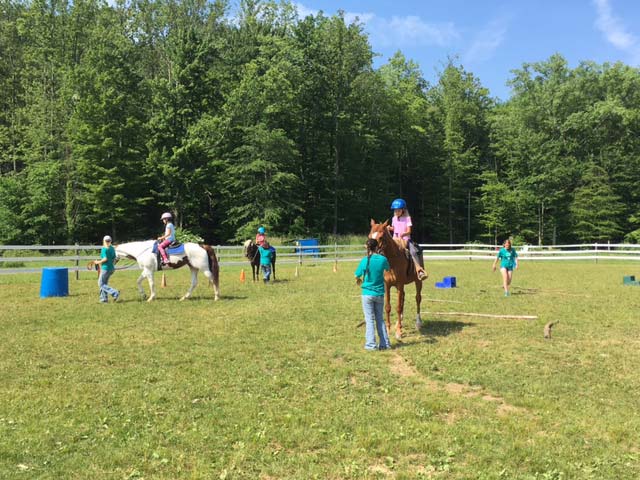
(251, 253)
(402, 273)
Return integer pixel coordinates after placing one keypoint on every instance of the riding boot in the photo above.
(417, 260)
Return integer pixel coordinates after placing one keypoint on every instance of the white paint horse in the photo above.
(199, 258)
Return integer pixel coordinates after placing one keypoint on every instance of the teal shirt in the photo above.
(110, 254)
(507, 258)
(265, 255)
(373, 282)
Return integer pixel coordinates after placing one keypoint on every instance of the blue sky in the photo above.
(490, 38)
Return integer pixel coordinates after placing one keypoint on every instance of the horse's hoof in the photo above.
(216, 298)
(150, 299)
(398, 335)
(418, 325)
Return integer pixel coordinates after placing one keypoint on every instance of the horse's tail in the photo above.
(213, 262)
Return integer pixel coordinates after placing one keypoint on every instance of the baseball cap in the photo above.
(106, 238)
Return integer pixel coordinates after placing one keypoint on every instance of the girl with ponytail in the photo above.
(370, 277)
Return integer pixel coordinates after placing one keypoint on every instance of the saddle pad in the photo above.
(179, 250)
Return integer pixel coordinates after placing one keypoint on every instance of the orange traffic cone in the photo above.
(164, 281)
(242, 276)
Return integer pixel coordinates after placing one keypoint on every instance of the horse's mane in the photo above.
(390, 243)
(135, 249)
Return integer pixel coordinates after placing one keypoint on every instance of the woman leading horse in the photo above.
(402, 272)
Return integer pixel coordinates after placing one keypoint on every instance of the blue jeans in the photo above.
(373, 318)
(266, 270)
(105, 289)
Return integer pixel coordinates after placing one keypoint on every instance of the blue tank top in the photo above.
(172, 232)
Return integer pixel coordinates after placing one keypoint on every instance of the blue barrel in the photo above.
(308, 244)
(55, 282)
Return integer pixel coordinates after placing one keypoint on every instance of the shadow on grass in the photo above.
(409, 341)
(443, 328)
(431, 329)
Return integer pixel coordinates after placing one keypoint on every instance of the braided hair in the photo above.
(372, 246)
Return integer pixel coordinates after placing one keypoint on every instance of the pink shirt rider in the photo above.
(401, 226)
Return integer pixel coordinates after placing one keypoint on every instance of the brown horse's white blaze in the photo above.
(402, 273)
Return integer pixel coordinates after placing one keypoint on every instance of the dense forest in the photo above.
(112, 113)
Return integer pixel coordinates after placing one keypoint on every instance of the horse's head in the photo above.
(248, 248)
(134, 250)
(379, 232)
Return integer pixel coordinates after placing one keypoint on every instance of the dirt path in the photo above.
(404, 369)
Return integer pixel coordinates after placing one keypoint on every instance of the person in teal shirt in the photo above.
(370, 277)
(508, 263)
(266, 254)
(107, 267)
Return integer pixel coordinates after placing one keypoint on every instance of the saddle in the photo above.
(175, 249)
(411, 267)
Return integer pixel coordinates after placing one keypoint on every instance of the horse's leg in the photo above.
(139, 284)
(400, 312)
(273, 265)
(152, 287)
(387, 306)
(418, 300)
(216, 287)
(194, 283)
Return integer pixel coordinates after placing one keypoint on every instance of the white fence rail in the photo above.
(32, 258)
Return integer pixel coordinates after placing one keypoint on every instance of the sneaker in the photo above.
(116, 297)
(506, 294)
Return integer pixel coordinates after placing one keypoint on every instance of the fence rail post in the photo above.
(77, 261)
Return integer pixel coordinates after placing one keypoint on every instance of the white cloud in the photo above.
(304, 11)
(615, 31)
(350, 17)
(407, 31)
(411, 31)
(487, 41)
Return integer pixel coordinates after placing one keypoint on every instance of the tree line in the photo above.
(111, 114)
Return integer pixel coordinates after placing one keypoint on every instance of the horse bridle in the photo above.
(252, 259)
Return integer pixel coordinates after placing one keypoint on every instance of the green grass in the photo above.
(273, 382)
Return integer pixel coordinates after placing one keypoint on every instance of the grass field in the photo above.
(273, 382)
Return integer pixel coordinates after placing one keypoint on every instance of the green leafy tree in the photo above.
(258, 179)
(107, 135)
(463, 105)
(499, 207)
(596, 210)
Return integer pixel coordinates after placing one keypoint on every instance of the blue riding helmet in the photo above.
(261, 230)
(398, 203)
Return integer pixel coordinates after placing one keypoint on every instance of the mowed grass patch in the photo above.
(272, 381)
